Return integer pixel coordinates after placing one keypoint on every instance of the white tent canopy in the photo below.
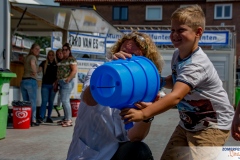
(41, 18)
(37, 2)
(31, 19)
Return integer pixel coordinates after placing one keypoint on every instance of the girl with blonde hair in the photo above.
(49, 69)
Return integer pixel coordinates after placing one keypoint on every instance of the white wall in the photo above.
(223, 61)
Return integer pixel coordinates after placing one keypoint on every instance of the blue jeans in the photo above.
(48, 96)
(65, 92)
(29, 93)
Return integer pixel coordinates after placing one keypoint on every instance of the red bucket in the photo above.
(74, 105)
(22, 117)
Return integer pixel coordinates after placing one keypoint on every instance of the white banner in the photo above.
(163, 37)
(213, 37)
(87, 44)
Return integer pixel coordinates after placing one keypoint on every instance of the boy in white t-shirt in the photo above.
(205, 111)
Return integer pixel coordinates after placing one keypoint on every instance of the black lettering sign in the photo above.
(95, 43)
(87, 43)
(75, 41)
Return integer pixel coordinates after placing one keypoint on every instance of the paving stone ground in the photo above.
(51, 141)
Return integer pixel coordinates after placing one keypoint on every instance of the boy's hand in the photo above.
(134, 115)
(121, 55)
(131, 115)
(142, 105)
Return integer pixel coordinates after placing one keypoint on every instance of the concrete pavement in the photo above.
(51, 141)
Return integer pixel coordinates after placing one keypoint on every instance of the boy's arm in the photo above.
(180, 90)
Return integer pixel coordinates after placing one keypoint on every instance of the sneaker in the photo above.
(34, 124)
(59, 108)
(40, 120)
(49, 120)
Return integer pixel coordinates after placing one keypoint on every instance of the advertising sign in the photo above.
(162, 37)
(83, 68)
(88, 44)
(81, 43)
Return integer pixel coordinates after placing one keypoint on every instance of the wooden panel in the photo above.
(16, 67)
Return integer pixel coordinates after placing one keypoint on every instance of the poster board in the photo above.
(83, 67)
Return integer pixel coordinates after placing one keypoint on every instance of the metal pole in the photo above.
(19, 22)
(7, 36)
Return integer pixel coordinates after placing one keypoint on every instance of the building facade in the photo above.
(155, 14)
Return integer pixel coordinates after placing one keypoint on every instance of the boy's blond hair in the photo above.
(193, 16)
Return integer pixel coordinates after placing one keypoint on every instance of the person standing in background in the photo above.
(66, 71)
(49, 69)
(29, 84)
(59, 57)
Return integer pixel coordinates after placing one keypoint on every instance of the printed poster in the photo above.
(83, 68)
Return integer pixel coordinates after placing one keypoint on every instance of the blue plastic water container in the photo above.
(121, 83)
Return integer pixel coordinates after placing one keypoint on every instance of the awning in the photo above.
(37, 2)
(42, 20)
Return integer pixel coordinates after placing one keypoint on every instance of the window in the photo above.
(154, 13)
(223, 11)
(120, 13)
